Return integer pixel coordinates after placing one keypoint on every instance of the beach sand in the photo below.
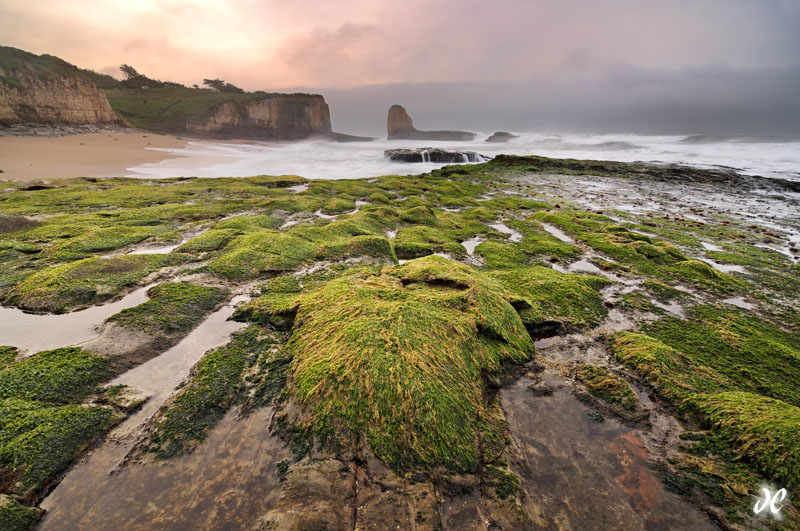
(84, 155)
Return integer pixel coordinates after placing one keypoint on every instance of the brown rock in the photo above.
(276, 116)
(57, 100)
(400, 126)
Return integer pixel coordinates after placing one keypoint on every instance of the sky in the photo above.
(699, 65)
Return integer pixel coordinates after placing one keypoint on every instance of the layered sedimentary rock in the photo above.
(43, 90)
(433, 155)
(501, 136)
(276, 116)
(27, 98)
(400, 126)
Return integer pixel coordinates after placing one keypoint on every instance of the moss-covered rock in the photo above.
(402, 359)
(173, 308)
(763, 429)
(550, 302)
(84, 282)
(261, 253)
(17, 517)
(602, 383)
(37, 440)
(61, 375)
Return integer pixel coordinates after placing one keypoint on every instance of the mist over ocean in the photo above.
(765, 155)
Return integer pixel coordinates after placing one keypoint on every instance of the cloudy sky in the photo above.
(613, 64)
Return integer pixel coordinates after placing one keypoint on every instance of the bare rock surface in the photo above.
(400, 126)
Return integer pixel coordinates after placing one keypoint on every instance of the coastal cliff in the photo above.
(277, 116)
(46, 90)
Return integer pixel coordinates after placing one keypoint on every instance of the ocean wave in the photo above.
(739, 139)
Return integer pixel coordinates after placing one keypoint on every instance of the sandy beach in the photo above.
(81, 155)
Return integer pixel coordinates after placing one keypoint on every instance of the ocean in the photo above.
(768, 156)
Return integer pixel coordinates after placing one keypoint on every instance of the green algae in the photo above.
(702, 275)
(40, 440)
(764, 430)
(654, 258)
(386, 355)
(276, 305)
(214, 385)
(261, 253)
(338, 205)
(357, 246)
(754, 355)
(61, 375)
(173, 308)
(7, 356)
(735, 372)
(84, 282)
(546, 296)
(43, 425)
(211, 240)
(17, 517)
(602, 383)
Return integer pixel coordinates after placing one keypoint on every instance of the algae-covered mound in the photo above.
(403, 360)
(173, 307)
(736, 373)
(551, 302)
(43, 425)
(84, 282)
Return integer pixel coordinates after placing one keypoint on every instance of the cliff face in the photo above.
(43, 89)
(277, 116)
(400, 126)
(26, 98)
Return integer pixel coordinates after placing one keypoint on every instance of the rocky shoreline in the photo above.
(528, 342)
(56, 130)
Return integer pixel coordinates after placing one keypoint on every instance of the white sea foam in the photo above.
(316, 158)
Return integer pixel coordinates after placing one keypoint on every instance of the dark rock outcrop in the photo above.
(400, 126)
(342, 137)
(501, 136)
(433, 155)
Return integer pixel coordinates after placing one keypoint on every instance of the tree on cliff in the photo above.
(220, 86)
(133, 79)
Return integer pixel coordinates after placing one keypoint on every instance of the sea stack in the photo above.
(501, 136)
(400, 126)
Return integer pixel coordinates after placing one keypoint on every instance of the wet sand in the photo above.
(84, 155)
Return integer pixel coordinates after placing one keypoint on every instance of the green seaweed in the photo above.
(213, 387)
(173, 308)
(386, 355)
(60, 375)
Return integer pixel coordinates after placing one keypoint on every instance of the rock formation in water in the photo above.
(501, 136)
(433, 155)
(400, 126)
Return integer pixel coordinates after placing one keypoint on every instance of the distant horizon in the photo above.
(719, 66)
